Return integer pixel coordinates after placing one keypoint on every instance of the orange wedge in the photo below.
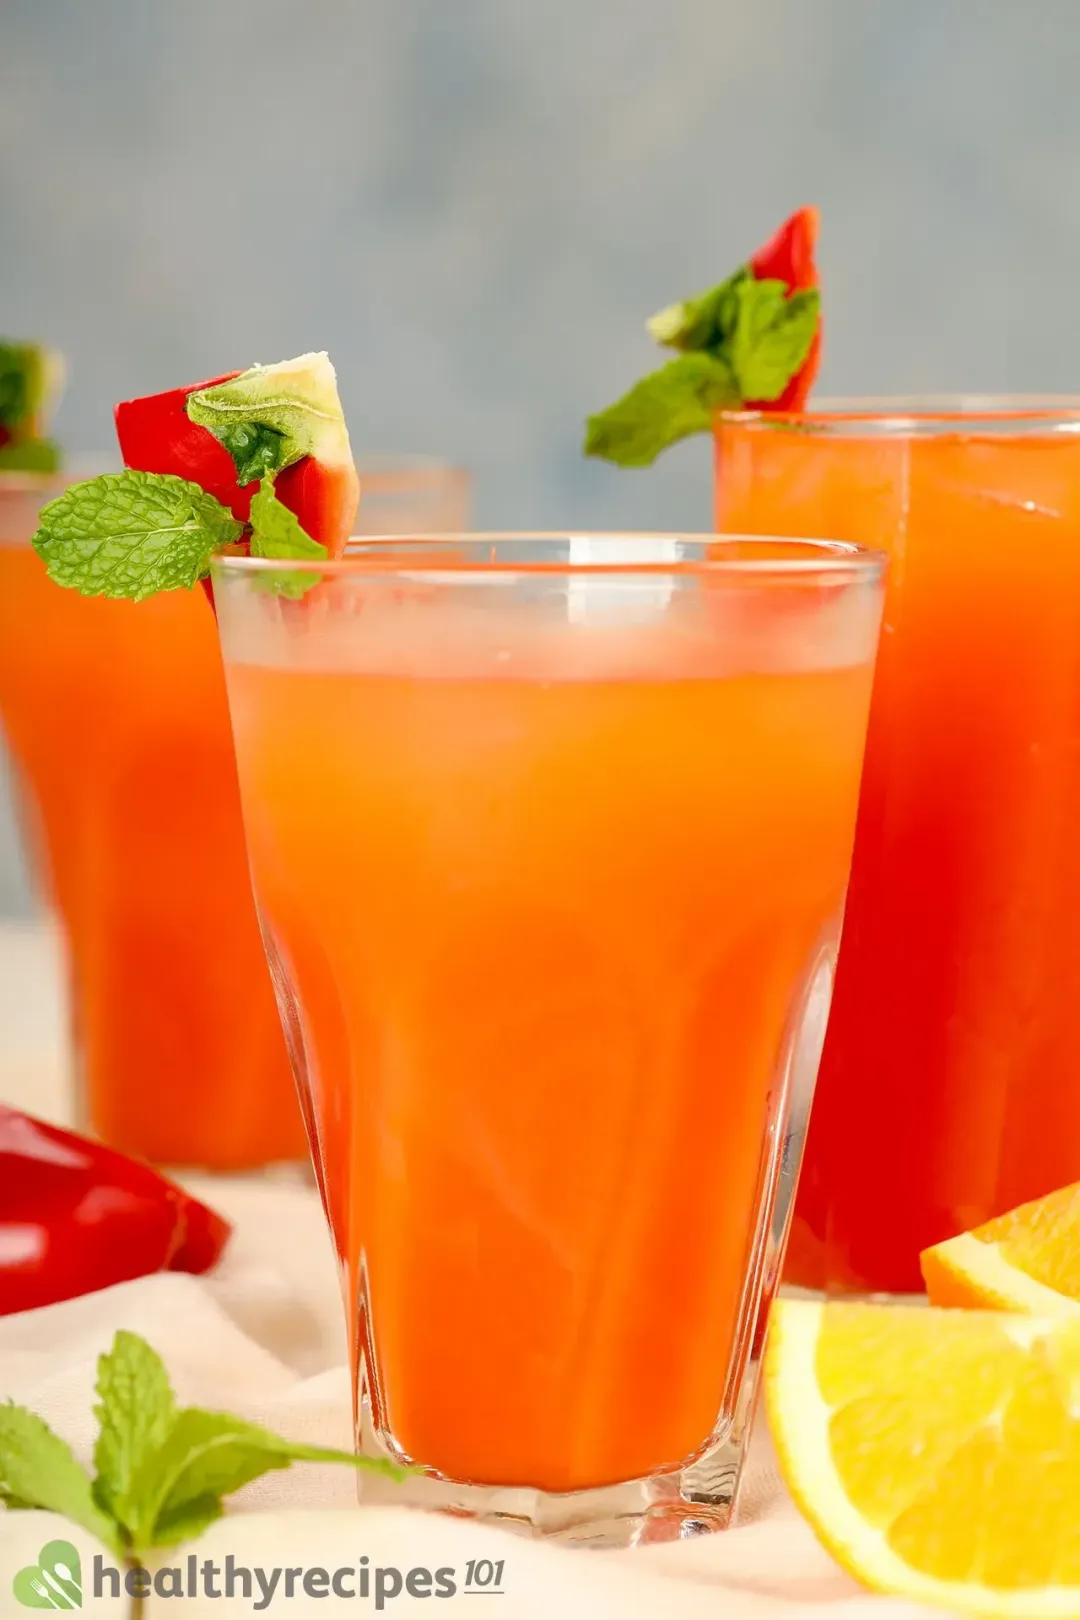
(1028, 1260)
(936, 1454)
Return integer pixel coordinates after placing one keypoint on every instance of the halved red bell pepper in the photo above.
(789, 256)
(76, 1216)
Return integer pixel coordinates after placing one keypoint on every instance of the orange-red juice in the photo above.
(948, 1089)
(115, 715)
(546, 940)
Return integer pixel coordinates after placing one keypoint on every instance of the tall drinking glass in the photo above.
(550, 839)
(116, 719)
(948, 1086)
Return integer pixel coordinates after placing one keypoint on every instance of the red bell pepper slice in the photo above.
(157, 436)
(76, 1216)
(789, 256)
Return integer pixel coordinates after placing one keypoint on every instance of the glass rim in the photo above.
(396, 554)
(920, 415)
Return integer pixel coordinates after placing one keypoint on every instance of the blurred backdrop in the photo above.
(474, 204)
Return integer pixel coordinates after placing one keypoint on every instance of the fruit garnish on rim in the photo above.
(30, 381)
(258, 460)
(751, 343)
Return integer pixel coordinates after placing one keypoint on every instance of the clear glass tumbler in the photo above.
(550, 840)
(948, 1088)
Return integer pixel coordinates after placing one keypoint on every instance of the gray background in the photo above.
(473, 204)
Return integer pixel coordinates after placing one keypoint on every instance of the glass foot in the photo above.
(677, 1505)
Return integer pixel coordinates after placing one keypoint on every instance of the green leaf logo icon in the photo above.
(54, 1582)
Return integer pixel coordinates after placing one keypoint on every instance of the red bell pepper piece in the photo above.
(76, 1216)
(157, 436)
(789, 256)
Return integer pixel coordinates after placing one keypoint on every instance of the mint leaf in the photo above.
(255, 448)
(670, 404)
(135, 1410)
(39, 1470)
(190, 1519)
(771, 337)
(208, 1455)
(705, 322)
(276, 532)
(132, 534)
(30, 455)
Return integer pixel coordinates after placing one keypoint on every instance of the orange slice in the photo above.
(1028, 1260)
(936, 1454)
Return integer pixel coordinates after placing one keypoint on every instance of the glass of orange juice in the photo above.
(116, 719)
(550, 837)
(948, 1088)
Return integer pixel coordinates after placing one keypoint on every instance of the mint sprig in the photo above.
(754, 335)
(132, 534)
(161, 1472)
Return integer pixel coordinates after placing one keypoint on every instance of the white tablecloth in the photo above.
(263, 1338)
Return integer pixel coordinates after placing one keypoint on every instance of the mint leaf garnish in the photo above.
(161, 1472)
(30, 455)
(276, 532)
(702, 323)
(255, 448)
(132, 534)
(749, 338)
(136, 1411)
(771, 336)
(39, 1470)
(208, 1455)
(670, 404)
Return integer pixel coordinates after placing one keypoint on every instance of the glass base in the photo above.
(678, 1505)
